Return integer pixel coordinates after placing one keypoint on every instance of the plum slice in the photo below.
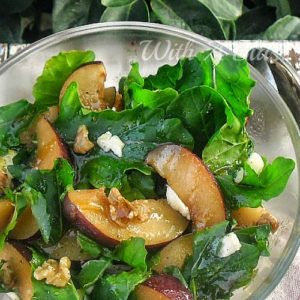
(17, 264)
(248, 216)
(109, 222)
(6, 211)
(162, 287)
(175, 253)
(49, 145)
(192, 181)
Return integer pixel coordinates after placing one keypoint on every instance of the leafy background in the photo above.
(25, 21)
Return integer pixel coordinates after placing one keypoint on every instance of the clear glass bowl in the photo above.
(117, 44)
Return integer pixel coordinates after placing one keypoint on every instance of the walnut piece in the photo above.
(5, 181)
(82, 143)
(56, 273)
(268, 219)
(7, 276)
(122, 211)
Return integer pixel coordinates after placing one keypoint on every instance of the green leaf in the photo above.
(257, 236)
(228, 10)
(133, 253)
(202, 112)
(89, 246)
(57, 69)
(234, 83)
(137, 10)
(190, 15)
(264, 17)
(113, 3)
(282, 7)
(8, 7)
(14, 118)
(253, 188)
(214, 277)
(286, 28)
(93, 270)
(228, 148)
(20, 204)
(11, 30)
(70, 13)
(108, 171)
(118, 287)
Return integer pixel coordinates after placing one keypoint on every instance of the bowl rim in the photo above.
(286, 259)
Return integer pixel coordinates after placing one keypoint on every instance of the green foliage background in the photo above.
(29, 20)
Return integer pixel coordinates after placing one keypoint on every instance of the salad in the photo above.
(149, 191)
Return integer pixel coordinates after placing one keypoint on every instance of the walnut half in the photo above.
(56, 273)
(122, 211)
(82, 143)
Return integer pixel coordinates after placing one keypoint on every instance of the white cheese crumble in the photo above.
(239, 176)
(109, 142)
(255, 162)
(230, 244)
(176, 203)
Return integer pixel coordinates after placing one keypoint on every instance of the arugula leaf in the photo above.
(213, 277)
(202, 112)
(166, 77)
(93, 270)
(197, 71)
(141, 129)
(57, 69)
(89, 246)
(257, 235)
(255, 188)
(136, 185)
(228, 148)
(132, 252)
(20, 204)
(43, 190)
(13, 118)
(108, 171)
(234, 83)
(118, 287)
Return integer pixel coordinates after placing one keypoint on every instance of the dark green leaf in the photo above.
(11, 30)
(95, 12)
(228, 148)
(137, 10)
(286, 28)
(89, 246)
(133, 253)
(257, 236)
(282, 7)
(214, 277)
(233, 81)
(118, 287)
(57, 69)
(202, 112)
(264, 17)
(113, 3)
(253, 188)
(108, 171)
(13, 6)
(190, 15)
(228, 10)
(92, 270)
(70, 13)
(13, 118)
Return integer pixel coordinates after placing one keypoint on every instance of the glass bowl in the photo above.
(272, 127)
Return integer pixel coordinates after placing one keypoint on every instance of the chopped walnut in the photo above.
(56, 273)
(122, 211)
(268, 219)
(5, 181)
(82, 143)
(7, 276)
(118, 105)
(51, 114)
